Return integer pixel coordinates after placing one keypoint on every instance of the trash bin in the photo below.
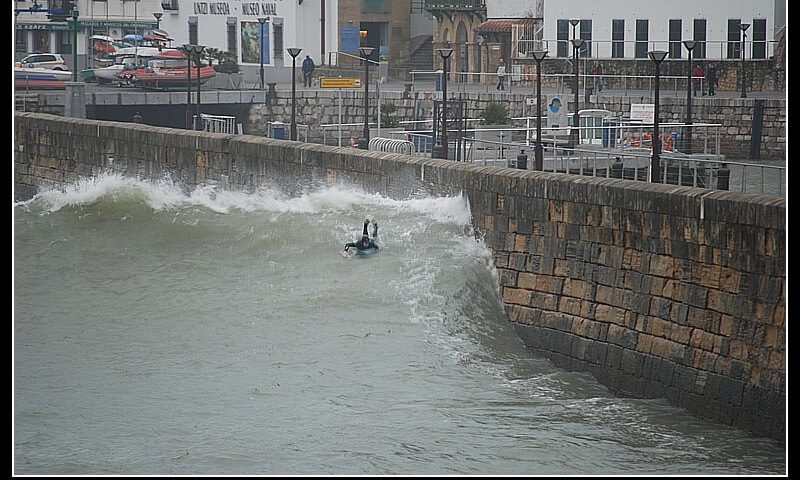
(439, 79)
(279, 130)
(610, 132)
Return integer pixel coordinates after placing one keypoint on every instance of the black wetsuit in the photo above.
(365, 243)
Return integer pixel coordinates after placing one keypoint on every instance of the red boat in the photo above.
(168, 70)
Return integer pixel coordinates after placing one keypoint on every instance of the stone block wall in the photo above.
(315, 108)
(657, 290)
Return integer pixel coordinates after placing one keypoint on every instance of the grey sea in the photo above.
(164, 332)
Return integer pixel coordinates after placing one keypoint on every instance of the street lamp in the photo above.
(689, 44)
(744, 27)
(158, 16)
(187, 48)
(294, 52)
(261, 51)
(538, 162)
(196, 51)
(363, 142)
(75, 45)
(577, 43)
(440, 149)
(657, 56)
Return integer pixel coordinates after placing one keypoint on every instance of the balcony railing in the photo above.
(169, 4)
(455, 5)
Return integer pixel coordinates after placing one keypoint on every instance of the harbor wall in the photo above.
(658, 291)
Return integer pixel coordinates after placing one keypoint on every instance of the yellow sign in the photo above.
(339, 82)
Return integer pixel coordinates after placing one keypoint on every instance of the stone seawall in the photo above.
(657, 290)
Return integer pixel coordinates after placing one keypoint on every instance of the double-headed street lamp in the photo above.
(744, 27)
(689, 44)
(363, 142)
(261, 51)
(192, 51)
(294, 52)
(577, 43)
(657, 56)
(538, 162)
(440, 149)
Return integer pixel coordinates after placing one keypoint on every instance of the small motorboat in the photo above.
(168, 70)
(38, 77)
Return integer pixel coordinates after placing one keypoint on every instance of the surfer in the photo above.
(365, 243)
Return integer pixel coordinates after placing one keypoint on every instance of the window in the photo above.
(699, 51)
(734, 35)
(21, 41)
(193, 30)
(562, 35)
(675, 46)
(277, 34)
(63, 42)
(232, 35)
(586, 34)
(759, 36)
(642, 30)
(618, 38)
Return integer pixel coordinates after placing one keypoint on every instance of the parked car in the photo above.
(51, 61)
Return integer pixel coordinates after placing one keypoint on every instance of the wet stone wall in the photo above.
(657, 290)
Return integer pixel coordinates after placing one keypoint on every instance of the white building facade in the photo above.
(231, 26)
(631, 28)
(234, 26)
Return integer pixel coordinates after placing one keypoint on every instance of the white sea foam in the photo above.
(165, 194)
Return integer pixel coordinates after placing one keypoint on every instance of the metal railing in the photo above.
(706, 169)
(380, 144)
(562, 82)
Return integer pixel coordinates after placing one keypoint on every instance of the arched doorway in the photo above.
(462, 49)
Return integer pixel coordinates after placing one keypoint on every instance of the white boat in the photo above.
(38, 77)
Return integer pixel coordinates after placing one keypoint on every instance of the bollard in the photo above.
(271, 92)
(616, 168)
(723, 177)
(522, 160)
(407, 90)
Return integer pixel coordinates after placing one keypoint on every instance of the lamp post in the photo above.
(577, 43)
(440, 149)
(294, 52)
(538, 162)
(689, 44)
(75, 45)
(261, 51)
(158, 16)
(363, 142)
(744, 27)
(198, 51)
(657, 56)
(192, 50)
(187, 48)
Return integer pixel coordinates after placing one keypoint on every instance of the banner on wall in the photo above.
(254, 44)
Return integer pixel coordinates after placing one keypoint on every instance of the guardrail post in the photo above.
(616, 168)
(723, 177)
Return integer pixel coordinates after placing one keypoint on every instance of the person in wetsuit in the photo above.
(365, 243)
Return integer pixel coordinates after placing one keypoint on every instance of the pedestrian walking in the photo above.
(697, 74)
(711, 81)
(308, 71)
(501, 76)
